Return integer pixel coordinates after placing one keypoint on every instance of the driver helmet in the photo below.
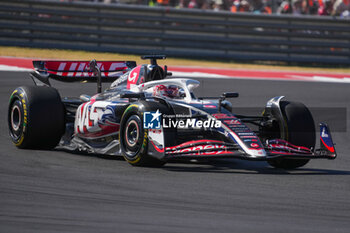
(171, 91)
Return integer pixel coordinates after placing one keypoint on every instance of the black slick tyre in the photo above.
(133, 139)
(36, 117)
(300, 128)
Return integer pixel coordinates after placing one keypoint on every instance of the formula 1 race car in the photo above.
(149, 118)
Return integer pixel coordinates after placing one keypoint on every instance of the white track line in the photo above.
(290, 78)
(13, 68)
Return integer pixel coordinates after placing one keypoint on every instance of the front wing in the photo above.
(274, 149)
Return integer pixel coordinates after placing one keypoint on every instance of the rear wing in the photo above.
(73, 71)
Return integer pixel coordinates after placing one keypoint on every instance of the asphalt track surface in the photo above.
(57, 191)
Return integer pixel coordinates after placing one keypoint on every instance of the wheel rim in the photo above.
(15, 118)
(132, 133)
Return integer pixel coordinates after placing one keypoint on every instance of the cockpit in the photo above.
(171, 89)
(142, 73)
(151, 80)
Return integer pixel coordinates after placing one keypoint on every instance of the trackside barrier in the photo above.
(174, 32)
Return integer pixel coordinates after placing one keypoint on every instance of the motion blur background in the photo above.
(295, 7)
(302, 32)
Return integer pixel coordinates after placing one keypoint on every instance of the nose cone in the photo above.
(256, 153)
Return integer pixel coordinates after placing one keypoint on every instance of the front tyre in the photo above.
(300, 131)
(134, 139)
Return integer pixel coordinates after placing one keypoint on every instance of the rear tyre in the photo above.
(134, 139)
(36, 117)
(300, 132)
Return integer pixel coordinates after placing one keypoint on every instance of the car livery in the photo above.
(182, 126)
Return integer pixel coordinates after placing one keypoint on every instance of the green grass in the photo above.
(84, 55)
